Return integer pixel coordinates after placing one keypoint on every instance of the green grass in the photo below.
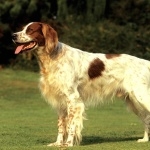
(28, 123)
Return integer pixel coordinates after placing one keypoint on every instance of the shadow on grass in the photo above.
(88, 140)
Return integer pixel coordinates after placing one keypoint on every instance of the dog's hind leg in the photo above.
(143, 115)
(141, 98)
(146, 136)
(139, 102)
(146, 121)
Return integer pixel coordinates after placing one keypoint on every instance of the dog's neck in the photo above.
(56, 51)
(53, 54)
(45, 58)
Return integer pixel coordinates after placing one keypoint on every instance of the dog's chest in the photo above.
(51, 92)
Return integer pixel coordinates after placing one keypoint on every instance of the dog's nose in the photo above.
(14, 36)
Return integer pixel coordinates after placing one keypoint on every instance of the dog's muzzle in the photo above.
(14, 36)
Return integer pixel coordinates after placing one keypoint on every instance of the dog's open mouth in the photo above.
(25, 46)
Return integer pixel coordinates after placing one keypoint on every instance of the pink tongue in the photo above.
(18, 49)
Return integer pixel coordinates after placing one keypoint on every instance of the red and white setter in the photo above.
(72, 79)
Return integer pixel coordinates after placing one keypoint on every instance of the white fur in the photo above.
(66, 85)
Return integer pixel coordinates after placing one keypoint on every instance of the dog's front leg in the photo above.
(61, 132)
(75, 122)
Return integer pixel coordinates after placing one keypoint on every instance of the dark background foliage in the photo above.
(106, 26)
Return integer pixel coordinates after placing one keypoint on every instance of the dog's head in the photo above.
(35, 35)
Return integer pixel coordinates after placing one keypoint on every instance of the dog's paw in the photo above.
(68, 144)
(142, 140)
(55, 144)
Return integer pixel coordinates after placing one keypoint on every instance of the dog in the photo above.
(72, 79)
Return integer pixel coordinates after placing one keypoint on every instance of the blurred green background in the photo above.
(106, 26)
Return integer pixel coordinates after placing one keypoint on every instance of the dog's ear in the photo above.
(51, 38)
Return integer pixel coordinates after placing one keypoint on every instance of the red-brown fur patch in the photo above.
(96, 68)
(110, 56)
(35, 31)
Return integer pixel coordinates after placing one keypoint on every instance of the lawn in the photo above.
(28, 123)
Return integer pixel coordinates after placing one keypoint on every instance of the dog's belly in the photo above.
(97, 92)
